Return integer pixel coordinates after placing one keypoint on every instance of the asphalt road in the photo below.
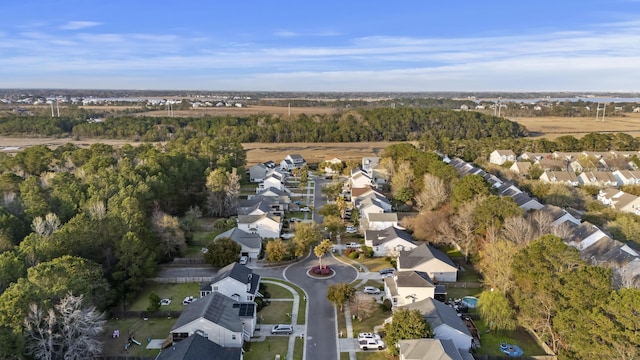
(322, 339)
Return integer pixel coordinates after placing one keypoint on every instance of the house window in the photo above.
(215, 288)
(233, 336)
(249, 298)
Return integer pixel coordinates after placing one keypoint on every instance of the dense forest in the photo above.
(404, 124)
(95, 222)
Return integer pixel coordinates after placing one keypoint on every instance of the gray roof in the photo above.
(437, 313)
(383, 217)
(250, 240)
(421, 254)
(239, 273)
(197, 347)
(276, 191)
(611, 251)
(248, 219)
(583, 231)
(413, 279)
(297, 158)
(428, 349)
(249, 206)
(379, 237)
(217, 308)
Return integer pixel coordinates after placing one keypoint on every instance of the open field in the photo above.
(554, 126)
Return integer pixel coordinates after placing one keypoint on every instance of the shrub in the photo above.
(154, 302)
(367, 251)
(353, 255)
(348, 251)
(386, 305)
(316, 270)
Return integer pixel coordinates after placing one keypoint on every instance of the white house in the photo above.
(257, 173)
(292, 161)
(369, 206)
(272, 181)
(389, 241)
(406, 287)
(627, 177)
(265, 225)
(560, 216)
(598, 178)
(526, 202)
(235, 281)
(521, 167)
(250, 243)
(370, 163)
(431, 349)
(500, 157)
(359, 179)
(430, 260)
(585, 235)
(219, 318)
(380, 221)
(331, 166)
(444, 321)
(194, 346)
(608, 195)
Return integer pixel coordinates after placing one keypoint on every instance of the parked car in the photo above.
(295, 220)
(297, 202)
(387, 271)
(287, 236)
(353, 245)
(367, 344)
(305, 209)
(188, 300)
(351, 230)
(282, 329)
(368, 335)
(243, 260)
(371, 290)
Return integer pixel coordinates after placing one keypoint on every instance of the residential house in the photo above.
(198, 347)
(598, 178)
(265, 225)
(369, 206)
(526, 202)
(363, 198)
(359, 179)
(508, 189)
(585, 235)
(380, 221)
(235, 281)
(533, 157)
(628, 203)
(608, 195)
(332, 165)
(567, 156)
(551, 164)
(369, 163)
(219, 318)
(431, 349)
(292, 161)
(500, 157)
(521, 167)
(406, 287)
(560, 177)
(272, 181)
(250, 243)
(430, 260)
(620, 257)
(257, 173)
(389, 241)
(627, 177)
(560, 216)
(444, 321)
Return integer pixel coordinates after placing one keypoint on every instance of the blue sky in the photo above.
(322, 45)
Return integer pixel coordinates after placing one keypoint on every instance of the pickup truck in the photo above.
(369, 343)
(353, 245)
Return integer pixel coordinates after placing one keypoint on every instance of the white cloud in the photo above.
(78, 25)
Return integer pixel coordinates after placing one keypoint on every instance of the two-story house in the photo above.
(429, 260)
(389, 241)
(235, 281)
(406, 287)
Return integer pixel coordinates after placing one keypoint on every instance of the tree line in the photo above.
(95, 222)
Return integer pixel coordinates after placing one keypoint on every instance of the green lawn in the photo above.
(373, 264)
(374, 355)
(175, 292)
(278, 292)
(267, 349)
(298, 349)
(302, 311)
(141, 330)
(276, 313)
(490, 341)
(367, 325)
(469, 274)
(344, 356)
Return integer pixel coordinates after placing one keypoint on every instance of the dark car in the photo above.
(387, 271)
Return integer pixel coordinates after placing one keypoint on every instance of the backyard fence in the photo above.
(188, 261)
(183, 280)
(144, 314)
(121, 357)
(473, 285)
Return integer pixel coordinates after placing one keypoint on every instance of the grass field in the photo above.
(140, 329)
(175, 292)
(552, 127)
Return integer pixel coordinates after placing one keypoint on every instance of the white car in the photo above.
(287, 236)
(371, 290)
(243, 260)
(305, 209)
(351, 230)
(368, 335)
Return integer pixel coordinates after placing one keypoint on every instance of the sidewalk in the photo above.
(298, 330)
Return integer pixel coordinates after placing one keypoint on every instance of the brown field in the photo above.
(553, 127)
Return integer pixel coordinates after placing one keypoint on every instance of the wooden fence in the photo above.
(144, 314)
(183, 280)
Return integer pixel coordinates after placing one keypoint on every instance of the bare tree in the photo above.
(519, 230)
(402, 181)
(433, 194)
(96, 210)
(543, 222)
(563, 231)
(466, 226)
(46, 226)
(167, 228)
(362, 306)
(68, 331)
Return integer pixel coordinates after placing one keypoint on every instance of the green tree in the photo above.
(535, 171)
(496, 311)
(11, 269)
(468, 187)
(277, 250)
(405, 324)
(306, 235)
(136, 262)
(329, 210)
(494, 210)
(222, 252)
(340, 294)
(322, 249)
(154, 302)
(332, 190)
